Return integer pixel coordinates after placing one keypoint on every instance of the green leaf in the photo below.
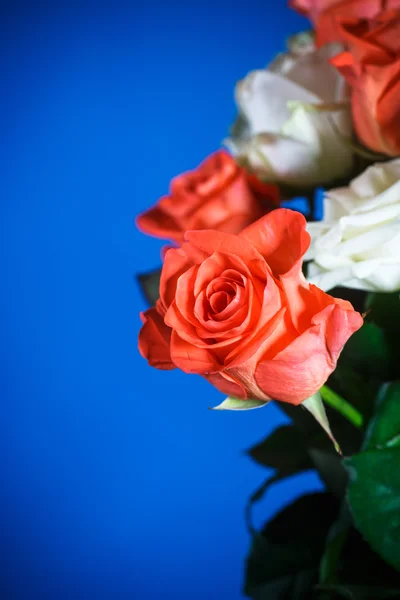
(257, 495)
(331, 470)
(349, 384)
(335, 541)
(374, 498)
(284, 449)
(358, 592)
(358, 564)
(316, 407)
(385, 428)
(355, 297)
(283, 561)
(368, 352)
(384, 311)
(374, 491)
(288, 450)
(150, 285)
(236, 404)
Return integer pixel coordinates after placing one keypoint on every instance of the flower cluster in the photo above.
(242, 300)
(234, 305)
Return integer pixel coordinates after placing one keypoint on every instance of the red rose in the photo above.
(219, 194)
(238, 310)
(372, 67)
(326, 14)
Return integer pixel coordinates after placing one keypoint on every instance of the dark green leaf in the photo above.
(358, 592)
(284, 558)
(331, 470)
(385, 428)
(289, 451)
(284, 450)
(374, 497)
(150, 285)
(258, 494)
(336, 538)
(384, 311)
(352, 386)
(359, 564)
(356, 297)
(368, 352)
(374, 491)
(297, 586)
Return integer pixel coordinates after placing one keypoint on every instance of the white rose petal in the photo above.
(297, 118)
(261, 88)
(357, 245)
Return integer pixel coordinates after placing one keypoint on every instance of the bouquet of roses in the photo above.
(283, 284)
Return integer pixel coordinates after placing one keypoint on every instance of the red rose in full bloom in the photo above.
(372, 68)
(238, 310)
(219, 194)
(326, 14)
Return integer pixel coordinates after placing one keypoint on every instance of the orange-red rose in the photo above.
(219, 194)
(372, 67)
(238, 310)
(326, 14)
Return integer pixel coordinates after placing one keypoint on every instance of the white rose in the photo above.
(357, 245)
(294, 118)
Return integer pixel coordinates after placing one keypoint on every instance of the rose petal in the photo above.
(190, 358)
(261, 339)
(305, 300)
(281, 238)
(184, 296)
(220, 301)
(203, 244)
(210, 327)
(263, 98)
(227, 385)
(158, 222)
(233, 304)
(214, 266)
(210, 177)
(154, 340)
(175, 264)
(302, 368)
(190, 334)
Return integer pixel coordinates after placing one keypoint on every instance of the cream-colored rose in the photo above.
(357, 245)
(294, 118)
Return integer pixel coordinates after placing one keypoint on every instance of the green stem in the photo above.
(348, 411)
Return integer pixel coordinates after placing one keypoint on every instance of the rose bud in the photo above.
(326, 14)
(372, 68)
(219, 194)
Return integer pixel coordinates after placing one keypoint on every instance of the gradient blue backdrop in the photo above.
(117, 482)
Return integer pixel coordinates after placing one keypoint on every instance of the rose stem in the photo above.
(342, 406)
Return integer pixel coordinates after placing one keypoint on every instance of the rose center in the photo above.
(223, 296)
(219, 301)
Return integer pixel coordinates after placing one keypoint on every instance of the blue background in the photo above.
(117, 482)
